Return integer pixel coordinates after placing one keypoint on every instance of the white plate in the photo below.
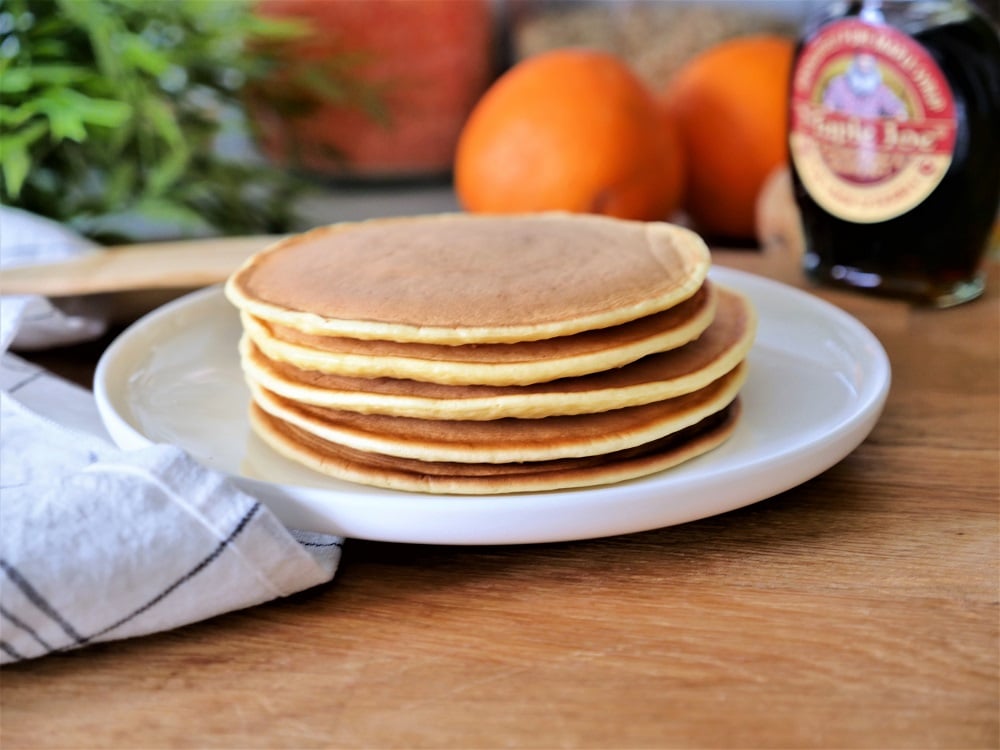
(818, 382)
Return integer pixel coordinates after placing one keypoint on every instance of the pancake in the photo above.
(465, 278)
(520, 363)
(482, 479)
(475, 354)
(506, 440)
(658, 376)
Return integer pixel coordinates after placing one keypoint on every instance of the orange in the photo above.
(731, 105)
(572, 130)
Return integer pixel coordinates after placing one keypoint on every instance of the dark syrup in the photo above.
(932, 253)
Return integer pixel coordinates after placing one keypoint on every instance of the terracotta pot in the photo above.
(430, 61)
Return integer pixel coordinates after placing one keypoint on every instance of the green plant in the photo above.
(114, 113)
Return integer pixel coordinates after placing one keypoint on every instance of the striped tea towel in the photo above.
(100, 544)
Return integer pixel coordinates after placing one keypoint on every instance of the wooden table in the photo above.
(859, 610)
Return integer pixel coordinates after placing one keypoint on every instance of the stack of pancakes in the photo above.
(482, 354)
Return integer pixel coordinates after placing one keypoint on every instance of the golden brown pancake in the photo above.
(656, 377)
(481, 479)
(506, 440)
(465, 278)
(520, 363)
(472, 354)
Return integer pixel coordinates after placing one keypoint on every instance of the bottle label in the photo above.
(873, 123)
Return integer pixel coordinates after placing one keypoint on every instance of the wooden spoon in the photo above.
(157, 265)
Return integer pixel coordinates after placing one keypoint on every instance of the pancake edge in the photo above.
(594, 476)
(695, 255)
(372, 442)
(524, 406)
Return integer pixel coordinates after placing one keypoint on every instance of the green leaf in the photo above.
(15, 117)
(16, 164)
(166, 210)
(121, 183)
(64, 122)
(52, 48)
(175, 152)
(102, 31)
(138, 53)
(49, 75)
(15, 160)
(21, 138)
(15, 81)
(69, 112)
(107, 113)
(153, 214)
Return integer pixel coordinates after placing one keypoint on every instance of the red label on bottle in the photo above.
(873, 122)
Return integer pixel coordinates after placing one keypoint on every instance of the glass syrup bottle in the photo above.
(895, 146)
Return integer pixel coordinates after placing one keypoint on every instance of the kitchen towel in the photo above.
(97, 543)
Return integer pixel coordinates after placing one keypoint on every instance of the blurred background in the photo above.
(133, 120)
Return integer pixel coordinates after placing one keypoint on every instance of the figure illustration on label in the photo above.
(895, 150)
(861, 91)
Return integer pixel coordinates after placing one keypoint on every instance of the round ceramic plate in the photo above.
(818, 381)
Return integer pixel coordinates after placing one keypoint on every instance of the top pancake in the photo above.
(466, 278)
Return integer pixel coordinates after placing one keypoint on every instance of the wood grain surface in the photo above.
(859, 610)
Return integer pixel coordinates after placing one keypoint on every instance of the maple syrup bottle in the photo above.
(894, 141)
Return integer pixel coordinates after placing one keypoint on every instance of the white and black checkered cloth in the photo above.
(99, 544)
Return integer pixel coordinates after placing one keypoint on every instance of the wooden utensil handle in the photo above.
(158, 265)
